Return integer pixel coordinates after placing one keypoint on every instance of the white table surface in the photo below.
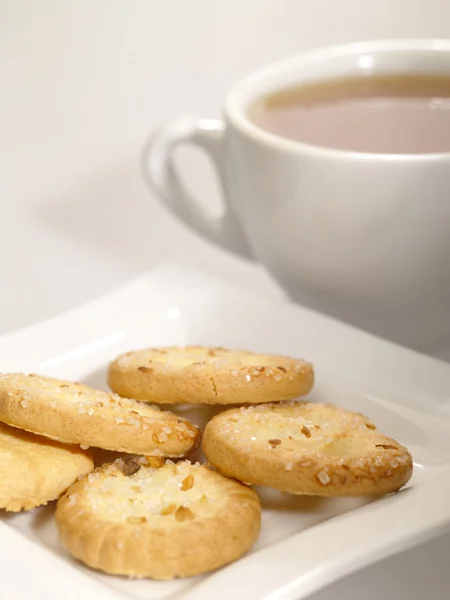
(83, 84)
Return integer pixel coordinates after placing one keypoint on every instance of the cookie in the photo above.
(77, 414)
(306, 448)
(35, 470)
(200, 375)
(176, 520)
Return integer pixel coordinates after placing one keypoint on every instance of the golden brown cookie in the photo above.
(35, 470)
(77, 414)
(306, 448)
(200, 375)
(177, 520)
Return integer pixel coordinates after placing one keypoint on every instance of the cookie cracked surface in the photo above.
(203, 375)
(306, 448)
(77, 414)
(173, 520)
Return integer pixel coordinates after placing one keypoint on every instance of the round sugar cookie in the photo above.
(77, 414)
(35, 470)
(306, 448)
(177, 520)
(201, 375)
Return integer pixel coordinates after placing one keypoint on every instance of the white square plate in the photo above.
(305, 543)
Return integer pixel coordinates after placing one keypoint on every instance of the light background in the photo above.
(82, 83)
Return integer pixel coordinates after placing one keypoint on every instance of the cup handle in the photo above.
(161, 175)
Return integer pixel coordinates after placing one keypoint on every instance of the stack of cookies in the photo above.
(138, 515)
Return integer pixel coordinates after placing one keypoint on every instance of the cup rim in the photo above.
(237, 97)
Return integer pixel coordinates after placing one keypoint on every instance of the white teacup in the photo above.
(363, 237)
